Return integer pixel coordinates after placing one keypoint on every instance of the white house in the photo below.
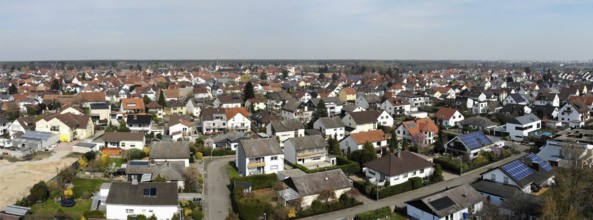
(449, 116)
(574, 113)
(146, 198)
(522, 126)
(217, 120)
(308, 187)
(396, 106)
(548, 99)
(163, 151)
(305, 150)
(259, 156)
(470, 144)
(421, 131)
(367, 120)
(357, 140)
(285, 129)
(368, 101)
(330, 127)
(397, 168)
(193, 108)
(528, 173)
(446, 205)
(227, 101)
(124, 140)
(180, 129)
(516, 98)
(100, 111)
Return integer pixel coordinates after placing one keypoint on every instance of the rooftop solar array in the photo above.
(543, 164)
(138, 163)
(442, 203)
(517, 170)
(475, 140)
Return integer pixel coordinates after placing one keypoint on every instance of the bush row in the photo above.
(384, 192)
(374, 214)
(262, 181)
(318, 207)
(348, 166)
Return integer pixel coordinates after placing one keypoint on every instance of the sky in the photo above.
(297, 29)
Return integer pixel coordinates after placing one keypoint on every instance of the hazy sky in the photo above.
(296, 29)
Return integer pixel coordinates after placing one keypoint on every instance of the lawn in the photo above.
(233, 173)
(118, 161)
(49, 208)
(87, 186)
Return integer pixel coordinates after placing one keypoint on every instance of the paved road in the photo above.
(217, 196)
(398, 200)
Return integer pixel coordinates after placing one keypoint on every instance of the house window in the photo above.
(129, 211)
(506, 180)
(405, 175)
(422, 171)
(274, 158)
(493, 176)
(274, 167)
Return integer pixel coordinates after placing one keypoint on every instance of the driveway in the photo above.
(217, 196)
(398, 200)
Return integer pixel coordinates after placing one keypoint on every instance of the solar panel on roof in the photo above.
(475, 140)
(517, 170)
(138, 163)
(442, 203)
(543, 164)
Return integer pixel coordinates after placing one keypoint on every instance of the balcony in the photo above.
(311, 154)
(256, 164)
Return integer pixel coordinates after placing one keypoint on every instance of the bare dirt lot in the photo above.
(17, 178)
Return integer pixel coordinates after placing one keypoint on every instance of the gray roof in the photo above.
(316, 183)
(127, 193)
(291, 106)
(86, 144)
(287, 125)
(170, 150)
(260, 147)
(450, 201)
(551, 153)
(365, 117)
(171, 170)
(394, 164)
(478, 121)
(123, 136)
(328, 122)
(525, 119)
(496, 188)
(37, 135)
(17, 210)
(372, 98)
(518, 97)
(308, 142)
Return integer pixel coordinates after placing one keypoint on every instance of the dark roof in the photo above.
(99, 106)
(316, 183)
(260, 147)
(127, 193)
(526, 119)
(227, 99)
(328, 122)
(208, 113)
(170, 150)
(536, 176)
(287, 125)
(449, 201)
(365, 117)
(308, 142)
(391, 165)
(139, 119)
(170, 170)
(372, 98)
(478, 121)
(123, 136)
(513, 109)
(495, 188)
(517, 97)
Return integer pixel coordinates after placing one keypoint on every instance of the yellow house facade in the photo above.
(68, 126)
(347, 95)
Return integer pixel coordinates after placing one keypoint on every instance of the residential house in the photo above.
(263, 118)
(547, 99)
(285, 129)
(516, 98)
(175, 107)
(450, 117)
(470, 144)
(308, 188)
(141, 198)
(259, 156)
(229, 140)
(156, 109)
(356, 141)
(529, 173)
(306, 150)
(180, 127)
(132, 105)
(421, 131)
(349, 107)
(574, 113)
(515, 109)
(257, 103)
(139, 123)
(347, 95)
(454, 203)
(567, 145)
(228, 101)
(398, 168)
(31, 142)
(88, 98)
(193, 108)
(167, 151)
(333, 104)
(238, 119)
(368, 101)
(124, 140)
(396, 106)
(4, 124)
(21, 125)
(100, 111)
(69, 126)
(522, 126)
(331, 127)
(367, 120)
(298, 110)
(477, 123)
(149, 171)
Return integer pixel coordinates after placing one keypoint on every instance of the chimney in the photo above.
(535, 166)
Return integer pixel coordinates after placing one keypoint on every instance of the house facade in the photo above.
(356, 141)
(450, 204)
(449, 116)
(397, 168)
(124, 140)
(259, 156)
(421, 131)
(128, 199)
(522, 126)
(330, 127)
(68, 126)
(305, 150)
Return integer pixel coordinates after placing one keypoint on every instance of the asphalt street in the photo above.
(217, 202)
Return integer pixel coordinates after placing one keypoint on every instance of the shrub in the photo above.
(136, 154)
(348, 166)
(262, 181)
(93, 214)
(39, 192)
(374, 214)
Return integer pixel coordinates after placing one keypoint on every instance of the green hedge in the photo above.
(348, 166)
(451, 165)
(371, 190)
(262, 181)
(320, 208)
(218, 152)
(485, 158)
(251, 208)
(374, 214)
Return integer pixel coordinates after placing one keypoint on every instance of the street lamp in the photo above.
(265, 216)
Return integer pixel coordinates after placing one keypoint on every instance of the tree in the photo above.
(437, 175)
(334, 146)
(162, 100)
(90, 156)
(320, 112)
(135, 154)
(39, 192)
(263, 75)
(232, 215)
(321, 77)
(146, 99)
(327, 196)
(392, 143)
(55, 85)
(12, 89)
(193, 179)
(284, 73)
(82, 162)
(439, 145)
(160, 179)
(248, 92)
(105, 160)
(199, 156)
(418, 139)
(335, 76)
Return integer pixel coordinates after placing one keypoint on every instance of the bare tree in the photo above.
(193, 179)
